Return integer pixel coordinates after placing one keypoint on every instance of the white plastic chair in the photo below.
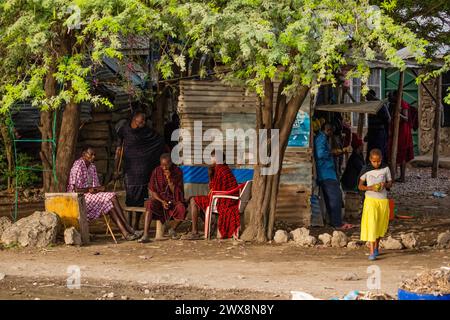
(242, 193)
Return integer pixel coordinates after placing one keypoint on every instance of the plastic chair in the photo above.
(242, 193)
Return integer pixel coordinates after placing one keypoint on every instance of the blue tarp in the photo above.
(193, 174)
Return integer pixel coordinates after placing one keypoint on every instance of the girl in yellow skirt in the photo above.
(374, 180)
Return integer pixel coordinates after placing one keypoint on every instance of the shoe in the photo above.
(139, 233)
(131, 237)
(173, 234)
(376, 253)
(372, 257)
(191, 236)
(144, 240)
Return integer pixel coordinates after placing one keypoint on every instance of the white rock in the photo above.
(391, 244)
(351, 277)
(37, 230)
(353, 245)
(5, 223)
(72, 237)
(326, 239)
(443, 239)
(409, 240)
(339, 239)
(281, 236)
(301, 236)
(146, 291)
(2, 276)
(110, 295)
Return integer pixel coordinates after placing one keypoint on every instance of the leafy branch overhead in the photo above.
(305, 41)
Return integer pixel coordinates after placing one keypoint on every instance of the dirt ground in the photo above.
(176, 269)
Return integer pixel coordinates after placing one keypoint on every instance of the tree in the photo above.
(430, 20)
(300, 43)
(48, 49)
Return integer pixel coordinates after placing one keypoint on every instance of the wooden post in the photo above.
(361, 117)
(437, 129)
(398, 106)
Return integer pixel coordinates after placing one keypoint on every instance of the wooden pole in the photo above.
(437, 129)
(361, 117)
(398, 106)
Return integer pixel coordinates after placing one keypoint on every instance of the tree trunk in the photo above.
(9, 153)
(437, 129)
(47, 134)
(265, 187)
(67, 142)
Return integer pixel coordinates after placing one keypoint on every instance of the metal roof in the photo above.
(370, 107)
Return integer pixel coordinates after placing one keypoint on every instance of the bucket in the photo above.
(391, 209)
(406, 295)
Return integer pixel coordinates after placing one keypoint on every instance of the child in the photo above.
(375, 217)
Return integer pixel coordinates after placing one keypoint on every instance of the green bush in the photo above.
(25, 178)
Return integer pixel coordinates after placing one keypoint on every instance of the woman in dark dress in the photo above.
(354, 166)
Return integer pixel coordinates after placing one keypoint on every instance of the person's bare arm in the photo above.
(388, 184)
(156, 196)
(404, 114)
(362, 187)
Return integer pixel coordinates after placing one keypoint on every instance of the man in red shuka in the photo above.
(220, 179)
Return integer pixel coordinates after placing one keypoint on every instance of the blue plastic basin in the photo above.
(406, 295)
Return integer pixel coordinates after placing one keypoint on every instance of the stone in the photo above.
(110, 295)
(391, 244)
(443, 239)
(409, 240)
(37, 230)
(339, 239)
(2, 276)
(72, 236)
(351, 277)
(354, 245)
(326, 239)
(301, 236)
(281, 236)
(5, 223)
(146, 291)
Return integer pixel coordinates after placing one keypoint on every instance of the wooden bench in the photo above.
(159, 226)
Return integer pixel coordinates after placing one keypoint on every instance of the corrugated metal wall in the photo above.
(220, 107)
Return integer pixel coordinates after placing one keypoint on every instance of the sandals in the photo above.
(173, 234)
(131, 237)
(139, 233)
(191, 236)
(144, 240)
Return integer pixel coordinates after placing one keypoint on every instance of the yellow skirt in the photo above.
(375, 219)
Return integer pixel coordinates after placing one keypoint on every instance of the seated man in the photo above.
(220, 179)
(167, 202)
(83, 179)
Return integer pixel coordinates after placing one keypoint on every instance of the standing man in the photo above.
(327, 178)
(142, 148)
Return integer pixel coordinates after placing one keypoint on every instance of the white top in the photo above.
(374, 177)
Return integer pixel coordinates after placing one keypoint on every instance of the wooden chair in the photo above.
(242, 193)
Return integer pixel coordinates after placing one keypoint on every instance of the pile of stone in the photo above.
(37, 230)
(302, 237)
